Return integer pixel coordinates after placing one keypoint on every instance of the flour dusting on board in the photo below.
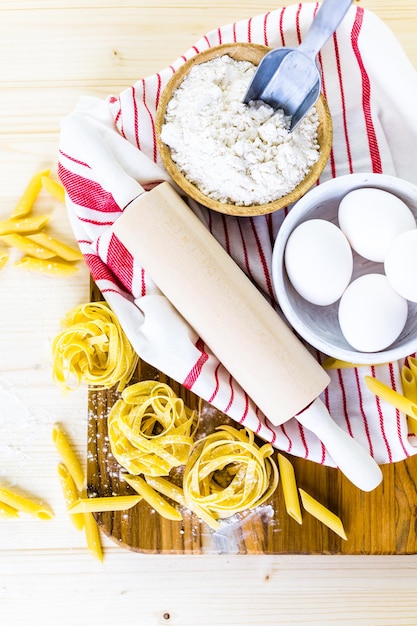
(233, 152)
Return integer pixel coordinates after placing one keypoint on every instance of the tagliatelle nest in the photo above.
(151, 430)
(228, 473)
(92, 348)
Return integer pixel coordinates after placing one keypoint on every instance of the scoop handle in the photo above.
(328, 18)
(351, 458)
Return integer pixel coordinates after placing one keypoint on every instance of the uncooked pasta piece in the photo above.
(26, 201)
(23, 225)
(25, 504)
(106, 503)
(92, 348)
(70, 493)
(57, 247)
(54, 188)
(45, 266)
(227, 473)
(27, 245)
(333, 364)
(68, 456)
(322, 513)
(92, 535)
(153, 498)
(394, 398)
(409, 383)
(8, 511)
(150, 429)
(289, 487)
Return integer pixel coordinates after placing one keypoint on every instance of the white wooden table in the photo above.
(51, 52)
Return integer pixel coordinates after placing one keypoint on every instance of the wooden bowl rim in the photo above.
(253, 53)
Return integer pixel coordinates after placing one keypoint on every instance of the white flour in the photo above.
(233, 152)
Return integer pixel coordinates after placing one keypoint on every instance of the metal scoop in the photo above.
(289, 78)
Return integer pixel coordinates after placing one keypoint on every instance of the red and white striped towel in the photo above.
(108, 147)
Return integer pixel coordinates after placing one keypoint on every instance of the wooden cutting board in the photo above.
(380, 522)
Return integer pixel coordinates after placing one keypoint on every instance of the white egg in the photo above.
(371, 314)
(371, 218)
(318, 260)
(401, 265)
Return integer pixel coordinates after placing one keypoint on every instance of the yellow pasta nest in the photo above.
(92, 348)
(151, 430)
(227, 473)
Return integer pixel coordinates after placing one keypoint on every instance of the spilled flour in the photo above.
(233, 152)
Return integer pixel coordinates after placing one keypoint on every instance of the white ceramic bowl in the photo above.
(319, 325)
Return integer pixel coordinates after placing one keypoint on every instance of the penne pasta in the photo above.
(166, 488)
(25, 504)
(23, 225)
(289, 487)
(44, 266)
(99, 505)
(56, 247)
(92, 535)
(26, 245)
(27, 199)
(51, 186)
(322, 514)
(394, 398)
(409, 383)
(70, 494)
(68, 456)
(153, 498)
(8, 511)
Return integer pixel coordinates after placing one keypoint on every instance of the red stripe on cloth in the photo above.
(87, 193)
(152, 121)
(216, 388)
(250, 30)
(303, 440)
(297, 23)
(381, 422)
(262, 258)
(71, 158)
(120, 261)
(245, 250)
(158, 90)
(344, 401)
(135, 116)
(234, 31)
(98, 269)
(142, 282)
(284, 432)
(266, 28)
(281, 26)
(362, 411)
(397, 412)
(366, 94)
(232, 394)
(343, 103)
(226, 234)
(197, 367)
(219, 36)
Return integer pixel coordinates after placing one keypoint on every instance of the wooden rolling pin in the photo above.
(235, 320)
(220, 303)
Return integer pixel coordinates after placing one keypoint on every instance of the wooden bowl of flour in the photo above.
(242, 204)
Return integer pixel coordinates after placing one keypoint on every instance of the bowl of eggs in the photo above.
(344, 268)
(235, 158)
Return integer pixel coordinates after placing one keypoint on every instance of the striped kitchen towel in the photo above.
(108, 149)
